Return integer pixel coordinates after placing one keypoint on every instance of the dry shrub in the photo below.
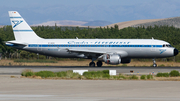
(27, 72)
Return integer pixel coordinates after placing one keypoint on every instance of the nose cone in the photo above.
(175, 52)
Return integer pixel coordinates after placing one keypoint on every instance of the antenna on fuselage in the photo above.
(152, 38)
(76, 37)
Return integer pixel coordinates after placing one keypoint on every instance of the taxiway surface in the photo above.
(17, 70)
(25, 89)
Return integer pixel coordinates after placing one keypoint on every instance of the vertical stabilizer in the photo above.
(22, 31)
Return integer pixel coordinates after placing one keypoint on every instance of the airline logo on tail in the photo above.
(16, 23)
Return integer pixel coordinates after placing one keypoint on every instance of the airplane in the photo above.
(110, 51)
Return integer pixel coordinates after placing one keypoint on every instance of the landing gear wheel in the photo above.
(91, 64)
(154, 65)
(99, 63)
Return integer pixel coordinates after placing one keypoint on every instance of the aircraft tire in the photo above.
(154, 65)
(99, 63)
(91, 64)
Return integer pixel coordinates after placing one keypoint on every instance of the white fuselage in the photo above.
(131, 48)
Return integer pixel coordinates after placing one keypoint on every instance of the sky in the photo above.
(113, 11)
(27, 3)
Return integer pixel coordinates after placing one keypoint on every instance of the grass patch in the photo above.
(45, 74)
(61, 74)
(162, 65)
(174, 73)
(80, 59)
(27, 72)
(124, 65)
(143, 77)
(149, 77)
(162, 75)
(39, 61)
(13, 77)
(121, 77)
(92, 75)
(70, 74)
(97, 74)
(159, 74)
(134, 77)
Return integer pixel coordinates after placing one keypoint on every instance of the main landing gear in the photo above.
(92, 64)
(154, 63)
(99, 63)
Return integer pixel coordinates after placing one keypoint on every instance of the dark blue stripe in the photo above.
(65, 45)
(10, 44)
(22, 30)
(15, 17)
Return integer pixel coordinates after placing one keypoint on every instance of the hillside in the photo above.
(74, 23)
(1, 26)
(149, 22)
(92, 24)
(166, 22)
(61, 23)
(133, 23)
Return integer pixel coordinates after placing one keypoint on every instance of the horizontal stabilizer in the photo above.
(10, 43)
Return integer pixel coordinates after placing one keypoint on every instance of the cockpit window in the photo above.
(167, 45)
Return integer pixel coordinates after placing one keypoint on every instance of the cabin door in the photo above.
(153, 45)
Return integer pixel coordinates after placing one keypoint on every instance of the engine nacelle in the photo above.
(112, 59)
(125, 60)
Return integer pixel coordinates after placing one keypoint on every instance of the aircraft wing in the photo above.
(98, 53)
(86, 51)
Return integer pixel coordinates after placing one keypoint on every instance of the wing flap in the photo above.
(86, 51)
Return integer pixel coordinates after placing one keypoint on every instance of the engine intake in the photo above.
(112, 59)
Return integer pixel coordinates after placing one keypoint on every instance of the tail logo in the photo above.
(16, 23)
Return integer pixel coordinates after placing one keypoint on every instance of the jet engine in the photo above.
(112, 59)
(125, 60)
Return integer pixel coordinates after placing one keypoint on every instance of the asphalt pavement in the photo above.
(26, 89)
(17, 70)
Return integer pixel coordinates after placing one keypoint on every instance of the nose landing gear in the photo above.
(154, 63)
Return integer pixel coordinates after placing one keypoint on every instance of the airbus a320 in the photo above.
(110, 51)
